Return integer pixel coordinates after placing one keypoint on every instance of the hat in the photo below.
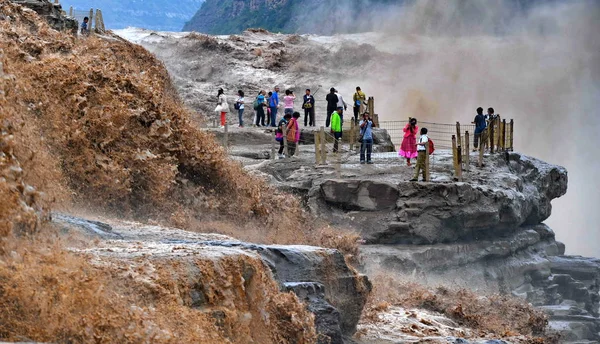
(340, 108)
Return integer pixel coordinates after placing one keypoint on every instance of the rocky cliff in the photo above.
(52, 13)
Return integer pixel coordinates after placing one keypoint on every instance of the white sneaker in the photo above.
(281, 156)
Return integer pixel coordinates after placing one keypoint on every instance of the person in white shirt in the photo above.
(240, 107)
(422, 145)
(341, 104)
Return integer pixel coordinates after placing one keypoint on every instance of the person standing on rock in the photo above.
(332, 101)
(260, 108)
(422, 145)
(279, 134)
(359, 99)
(288, 102)
(336, 128)
(341, 105)
(309, 109)
(366, 138)
(268, 109)
(85, 31)
(239, 105)
(408, 149)
(293, 134)
(222, 106)
(273, 105)
(480, 126)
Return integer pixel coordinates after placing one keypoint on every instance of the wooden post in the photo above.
(491, 135)
(481, 149)
(323, 146)
(504, 134)
(456, 154)
(285, 143)
(467, 151)
(226, 136)
(427, 172)
(91, 17)
(71, 11)
(458, 135)
(352, 135)
(102, 28)
(317, 148)
(512, 131)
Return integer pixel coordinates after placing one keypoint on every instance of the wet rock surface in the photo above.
(335, 293)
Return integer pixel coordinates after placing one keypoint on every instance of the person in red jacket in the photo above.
(408, 149)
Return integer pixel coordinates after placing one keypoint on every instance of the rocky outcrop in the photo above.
(53, 14)
(320, 277)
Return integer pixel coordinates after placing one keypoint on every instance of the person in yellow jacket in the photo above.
(359, 99)
(336, 127)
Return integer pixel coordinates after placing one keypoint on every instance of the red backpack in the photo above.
(431, 146)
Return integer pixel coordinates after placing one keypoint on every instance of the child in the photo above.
(268, 121)
(422, 145)
(408, 149)
(336, 128)
(480, 126)
(293, 133)
(84, 26)
(279, 134)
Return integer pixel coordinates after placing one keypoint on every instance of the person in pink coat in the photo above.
(408, 149)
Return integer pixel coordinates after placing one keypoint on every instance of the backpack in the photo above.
(256, 105)
(357, 103)
(431, 146)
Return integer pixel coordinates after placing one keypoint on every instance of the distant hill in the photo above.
(289, 16)
(160, 15)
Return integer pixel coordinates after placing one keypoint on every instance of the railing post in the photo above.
(458, 135)
(91, 18)
(481, 149)
(504, 134)
(273, 144)
(317, 147)
(323, 146)
(491, 135)
(71, 11)
(512, 131)
(467, 151)
(285, 143)
(352, 136)
(427, 174)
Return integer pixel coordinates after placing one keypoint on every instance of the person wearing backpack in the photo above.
(293, 133)
(422, 145)
(359, 99)
(259, 106)
(309, 109)
(336, 128)
(366, 138)
(408, 149)
(279, 134)
(239, 105)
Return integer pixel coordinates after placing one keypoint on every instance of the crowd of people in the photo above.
(267, 105)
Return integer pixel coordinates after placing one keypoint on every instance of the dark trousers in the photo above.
(260, 116)
(367, 145)
(356, 110)
(328, 120)
(309, 117)
(291, 148)
(281, 146)
(336, 138)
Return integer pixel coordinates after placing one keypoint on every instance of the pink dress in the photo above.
(408, 149)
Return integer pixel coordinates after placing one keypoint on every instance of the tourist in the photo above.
(366, 138)
(359, 99)
(336, 128)
(480, 126)
(332, 101)
(239, 105)
(222, 106)
(408, 149)
(288, 102)
(309, 109)
(260, 108)
(268, 113)
(422, 145)
(293, 134)
(84, 26)
(273, 105)
(341, 105)
(279, 134)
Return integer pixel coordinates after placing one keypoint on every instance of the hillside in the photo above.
(160, 15)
